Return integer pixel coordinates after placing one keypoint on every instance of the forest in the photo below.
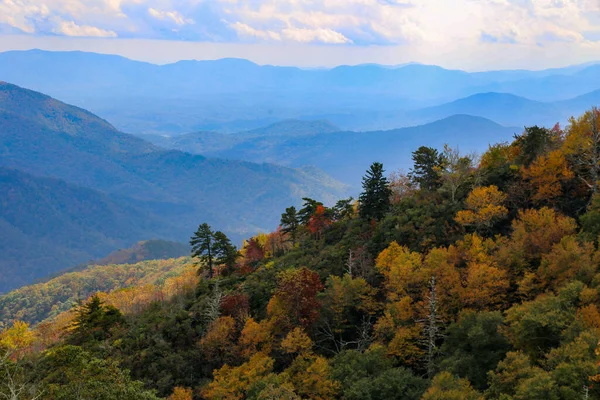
(470, 276)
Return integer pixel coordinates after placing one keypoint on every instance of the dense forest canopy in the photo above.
(469, 277)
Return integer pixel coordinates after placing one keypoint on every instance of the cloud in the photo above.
(70, 28)
(173, 16)
(426, 24)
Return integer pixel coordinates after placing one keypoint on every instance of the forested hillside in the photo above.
(109, 190)
(470, 277)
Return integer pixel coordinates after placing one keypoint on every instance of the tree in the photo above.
(431, 328)
(484, 208)
(295, 301)
(308, 210)
(582, 146)
(290, 223)
(181, 393)
(70, 373)
(318, 222)
(203, 246)
(446, 386)
(473, 345)
(370, 375)
(426, 166)
(224, 253)
(455, 170)
(546, 175)
(343, 209)
(534, 142)
(93, 321)
(232, 383)
(375, 198)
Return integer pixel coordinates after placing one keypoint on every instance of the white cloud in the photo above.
(425, 26)
(70, 28)
(248, 31)
(321, 35)
(174, 16)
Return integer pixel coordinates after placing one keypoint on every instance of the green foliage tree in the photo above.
(375, 199)
(370, 375)
(225, 253)
(474, 345)
(427, 162)
(71, 373)
(309, 207)
(93, 321)
(290, 222)
(202, 243)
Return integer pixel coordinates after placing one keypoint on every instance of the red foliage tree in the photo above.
(295, 301)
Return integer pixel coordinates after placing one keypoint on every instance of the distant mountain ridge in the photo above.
(345, 155)
(232, 95)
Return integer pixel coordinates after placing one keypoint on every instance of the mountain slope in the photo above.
(48, 224)
(37, 302)
(44, 137)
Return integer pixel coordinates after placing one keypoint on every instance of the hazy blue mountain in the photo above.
(232, 95)
(504, 108)
(345, 155)
(44, 137)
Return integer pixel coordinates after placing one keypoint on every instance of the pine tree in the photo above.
(290, 222)
(426, 164)
(203, 246)
(224, 253)
(375, 198)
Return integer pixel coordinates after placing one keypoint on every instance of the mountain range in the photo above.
(231, 95)
(73, 187)
(344, 155)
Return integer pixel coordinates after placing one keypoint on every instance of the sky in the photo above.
(466, 34)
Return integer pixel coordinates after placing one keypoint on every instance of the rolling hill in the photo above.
(160, 193)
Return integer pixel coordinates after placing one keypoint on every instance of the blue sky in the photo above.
(470, 34)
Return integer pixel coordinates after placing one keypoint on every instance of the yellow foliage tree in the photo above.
(255, 337)
(546, 175)
(181, 393)
(484, 208)
(401, 269)
(446, 386)
(297, 342)
(231, 383)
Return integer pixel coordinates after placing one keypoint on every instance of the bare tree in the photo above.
(13, 385)
(432, 328)
(213, 307)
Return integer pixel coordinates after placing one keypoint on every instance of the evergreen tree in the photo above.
(308, 210)
(93, 320)
(427, 163)
(343, 208)
(203, 246)
(290, 222)
(225, 253)
(375, 198)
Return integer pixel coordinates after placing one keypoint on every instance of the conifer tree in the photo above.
(225, 253)
(375, 198)
(290, 222)
(203, 246)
